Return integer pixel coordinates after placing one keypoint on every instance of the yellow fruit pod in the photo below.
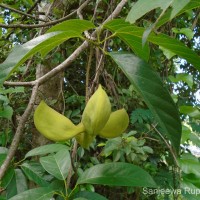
(53, 125)
(116, 125)
(97, 112)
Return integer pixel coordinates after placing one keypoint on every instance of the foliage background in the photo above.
(143, 144)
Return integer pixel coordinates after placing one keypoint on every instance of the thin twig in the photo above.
(99, 67)
(19, 132)
(167, 144)
(45, 24)
(81, 17)
(26, 84)
(95, 11)
(73, 156)
(20, 12)
(33, 7)
(88, 73)
(195, 19)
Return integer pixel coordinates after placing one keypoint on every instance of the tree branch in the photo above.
(168, 145)
(9, 83)
(20, 12)
(19, 132)
(45, 24)
(33, 7)
(71, 58)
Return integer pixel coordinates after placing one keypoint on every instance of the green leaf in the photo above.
(89, 195)
(125, 32)
(151, 88)
(111, 145)
(167, 52)
(73, 24)
(7, 177)
(117, 174)
(186, 133)
(187, 78)
(4, 99)
(130, 33)
(3, 150)
(191, 178)
(34, 173)
(189, 190)
(44, 193)
(22, 52)
(7, 112)
(186, 31)
(17, 184)
(42, 44)
(194, 137)
(190, 164)
(141, 7)
(49, 148)
(48, 45)
(2, 158)
(58, 165)
(11, 90)
(177, 9)
(177, 6)
(190, 111)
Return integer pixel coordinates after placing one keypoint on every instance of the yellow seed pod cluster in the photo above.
(97, 119)
(53, 125)
(116, 125)
(97, 112)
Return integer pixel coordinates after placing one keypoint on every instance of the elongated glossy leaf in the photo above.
(42, 44)
(129, 33)
(157, 98)
(141, 7)
(177, 6)
(117, 174)
(58, 165)
(73, 24)
(43, 193)
(7, 177)
(17, 184)
(119, 28)
(49, 148)
(33, 172)
(89, 195)
(170, 13)
(22, 52)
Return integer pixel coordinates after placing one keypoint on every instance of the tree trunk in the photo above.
(50, 91)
